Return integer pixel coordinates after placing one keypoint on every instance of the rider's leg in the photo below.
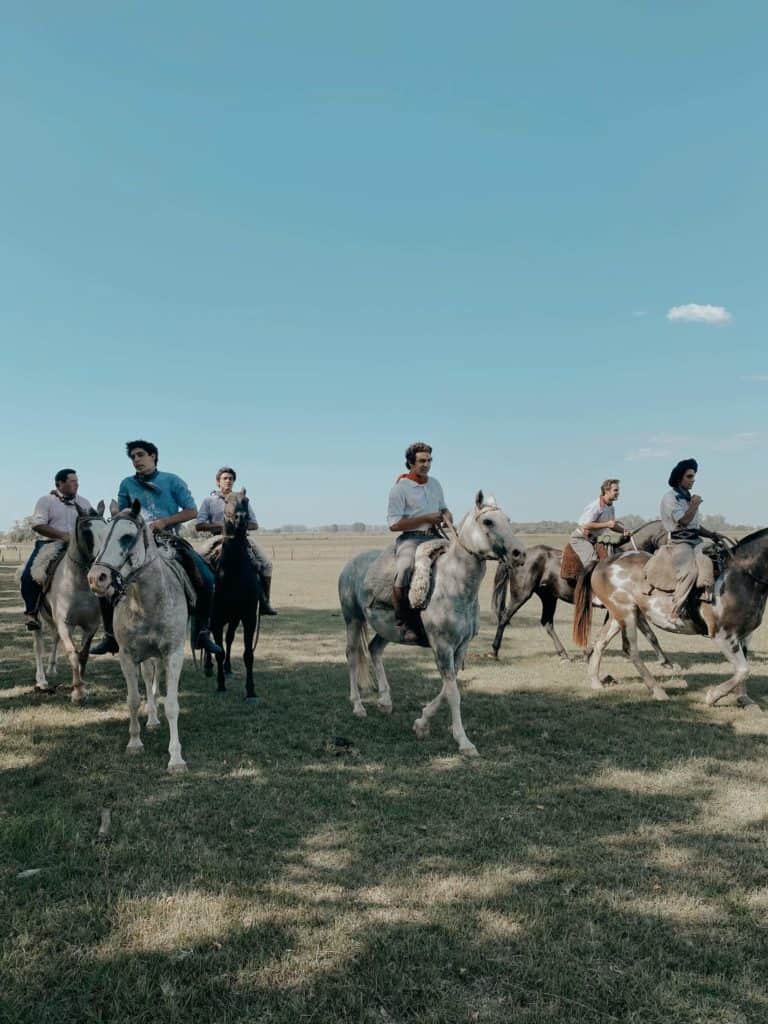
(109, 644)
(201, 578)
(31, 591)
(686, 573)
(405, 553)
(264, 565)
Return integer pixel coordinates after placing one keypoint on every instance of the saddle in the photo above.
(661, 569)
(570, 563)
(380, 577)
(46, 562)
(210, 551)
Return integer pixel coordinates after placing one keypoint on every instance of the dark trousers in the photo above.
(31, 592)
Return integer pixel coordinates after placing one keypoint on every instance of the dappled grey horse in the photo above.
(740, 593)
(150, 617)
(540, 575)
(69, 605)
(450, 619)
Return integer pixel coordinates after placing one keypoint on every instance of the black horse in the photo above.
(237, 594)
(540, 575)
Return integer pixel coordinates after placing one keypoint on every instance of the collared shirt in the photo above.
(212, 509)
(408, 499)
(59, 514)
(672, 510)
(595, 512)
(160, 495)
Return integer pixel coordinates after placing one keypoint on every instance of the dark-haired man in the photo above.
(416, 507)
(166, 503)
(210, 519)
(53, 519)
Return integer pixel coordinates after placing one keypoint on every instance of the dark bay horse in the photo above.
(540, 575)
(237, 593)
(740, 593)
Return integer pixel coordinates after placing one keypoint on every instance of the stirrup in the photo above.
(107, 646)
(266, 608)
(32, 622)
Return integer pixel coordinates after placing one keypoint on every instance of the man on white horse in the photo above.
(53, 520)
(416, 507)
(599, 515)
(210, 519)
(166, 503)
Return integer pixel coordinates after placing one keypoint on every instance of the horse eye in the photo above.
(487, 522)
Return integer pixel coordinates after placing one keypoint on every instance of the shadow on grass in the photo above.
(580, 870)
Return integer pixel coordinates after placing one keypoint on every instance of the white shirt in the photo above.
(408, 499)
(595, 512)
(59, 515)
(672, 510)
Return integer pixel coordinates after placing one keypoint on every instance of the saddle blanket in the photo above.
(46, 561)
(380, 577)
(671, 561)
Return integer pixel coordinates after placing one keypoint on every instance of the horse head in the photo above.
(236, 512)
(486, 532)
(90, 530)
(126, 543)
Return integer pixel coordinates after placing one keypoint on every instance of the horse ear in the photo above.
(114, 508)
(490, 500)
(100, 508)
(479, 501)
(243, 493)
(135, 507)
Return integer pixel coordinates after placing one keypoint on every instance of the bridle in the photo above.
(82, 562)
(453, 533)
(118, 580)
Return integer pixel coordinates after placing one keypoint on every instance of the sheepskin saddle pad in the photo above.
(380, 577)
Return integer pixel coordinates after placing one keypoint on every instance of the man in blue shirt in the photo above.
(166, 503)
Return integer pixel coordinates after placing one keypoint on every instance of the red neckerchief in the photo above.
(411, 476)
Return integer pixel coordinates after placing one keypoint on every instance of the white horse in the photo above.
(68, 605)
(150, 619)
(450, 619)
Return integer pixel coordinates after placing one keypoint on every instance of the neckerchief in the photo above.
(411, 476)
(682, 493)
(63, 500)
(145, 481)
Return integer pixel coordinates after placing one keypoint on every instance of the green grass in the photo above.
(604, 860)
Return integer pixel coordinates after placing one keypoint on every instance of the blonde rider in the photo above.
(599, 515)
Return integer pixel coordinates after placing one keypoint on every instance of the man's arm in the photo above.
(414, 522)
(49, 533)
(691, 511)
(205, 523)
(178, 517)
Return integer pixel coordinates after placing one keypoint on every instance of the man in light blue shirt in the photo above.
(166, 503)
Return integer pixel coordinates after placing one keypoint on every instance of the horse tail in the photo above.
(362, 660)
(500, 583)
(582, 603)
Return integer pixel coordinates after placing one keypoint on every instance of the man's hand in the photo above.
(433, 518)
(447, 517)
(157, 524)
(696, 500)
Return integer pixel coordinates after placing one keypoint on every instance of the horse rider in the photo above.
(599, 515)
(53, 519)
(416, 507)
(210, 519)
(166, 503)
(680, 516)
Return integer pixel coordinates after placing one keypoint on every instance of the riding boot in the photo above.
(201, 622)
(108, 645)
(264, 605)
(402, 616)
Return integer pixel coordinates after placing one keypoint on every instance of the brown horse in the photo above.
(739, 603)
(540, 575)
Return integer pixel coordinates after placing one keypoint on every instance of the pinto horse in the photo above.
(540, 575)
(740, 593)
(237, 594)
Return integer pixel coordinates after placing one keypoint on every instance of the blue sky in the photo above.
(294, 237)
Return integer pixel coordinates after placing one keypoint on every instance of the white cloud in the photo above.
(647, 453)
(695, 313)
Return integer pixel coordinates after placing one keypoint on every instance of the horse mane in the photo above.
(749, 539)
(642, 526)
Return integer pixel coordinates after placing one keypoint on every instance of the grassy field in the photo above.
(604, 860)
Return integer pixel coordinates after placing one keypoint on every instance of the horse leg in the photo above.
(208, 662)
(150, 671)
(217, 631)
(644, 626)
(231, 630)
(444, 656)
(249, 632)
(68, 643)
(548, 606)
(356, 663)
(173, 666)
(630, 632)
(517, 602)
(52, 667)
(84, 652)
(607, 633)
(41, 683)
(734, 652)
(376, 646)
(131, 675)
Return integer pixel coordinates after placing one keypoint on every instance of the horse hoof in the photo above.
(385, 709)
(676, 684)
(152, 726)
(747, 704)
(469, 751)
(78, 698)
(133, 750)
(47, 689)
(659, 693)
(177, 769)
(711, 697)
(252, 700)
(359, 711)
(421, 728)
(208, 670)
(609, 680)
(493, 655)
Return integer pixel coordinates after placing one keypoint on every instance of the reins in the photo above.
(119, 581)
(453, 533)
